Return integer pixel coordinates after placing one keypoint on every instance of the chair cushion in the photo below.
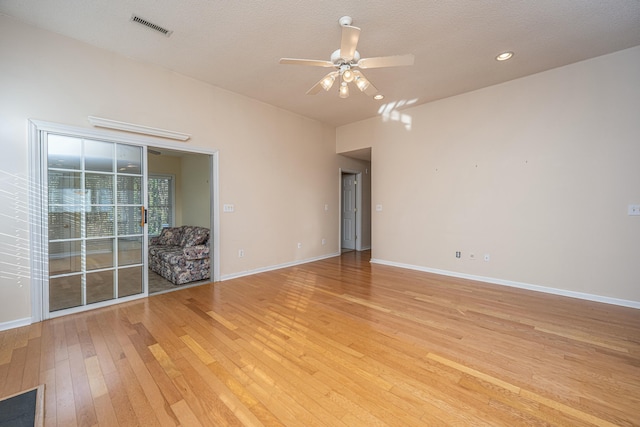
(193, 236)
(170, 236)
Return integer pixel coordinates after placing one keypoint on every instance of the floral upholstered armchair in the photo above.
(181, 254)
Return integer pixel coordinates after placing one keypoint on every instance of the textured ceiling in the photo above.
(236, 45)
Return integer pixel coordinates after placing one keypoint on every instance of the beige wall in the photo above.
(196, 203)
(537, 172)
(278, 169)
(191, 172)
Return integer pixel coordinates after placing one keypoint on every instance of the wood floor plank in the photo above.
(152, 393)
(31, 374)
(13, 382)
(120, 401)
(50, 398)
(85, 411)
(336, 342)
(185, 414)
(201, 398)
(65, 400)
(7, 345)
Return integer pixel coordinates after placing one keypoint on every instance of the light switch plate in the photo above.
(228, 208)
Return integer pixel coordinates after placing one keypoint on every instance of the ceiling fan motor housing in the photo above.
(345, 20)
(337, 60)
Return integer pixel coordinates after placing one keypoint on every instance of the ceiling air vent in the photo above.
(151, 25)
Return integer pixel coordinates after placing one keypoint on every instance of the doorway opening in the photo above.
(179, 202)
(351, 210)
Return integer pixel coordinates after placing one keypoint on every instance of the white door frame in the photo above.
(358, 175)
(38, 250)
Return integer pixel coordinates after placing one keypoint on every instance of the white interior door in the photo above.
(348, 214)
(96, 230)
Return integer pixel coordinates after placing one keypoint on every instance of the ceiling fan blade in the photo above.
(315, 89)
(319, 86)
(371, 89)
(349, 42)
(310, 62)
(364, 84)
(386, 61)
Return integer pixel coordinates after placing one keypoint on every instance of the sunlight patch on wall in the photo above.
(14, 234)
(390, 112)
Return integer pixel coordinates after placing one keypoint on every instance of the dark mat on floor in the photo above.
(21, 410)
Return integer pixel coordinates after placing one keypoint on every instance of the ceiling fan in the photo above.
(347, 64)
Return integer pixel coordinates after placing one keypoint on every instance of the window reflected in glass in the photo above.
(100, 188)
(64, 225)
(129, 190)
(98, 156)
(100, 222)
(129, 220)
(64, 152)
(129, 159)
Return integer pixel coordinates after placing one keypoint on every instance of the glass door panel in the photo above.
(95, 221)
(100, 286)
(130, 279)
(65, 257)
(130, 250)
(129, 159)
(98, 156)
(100, 254)
(67, 292)
(64, 152)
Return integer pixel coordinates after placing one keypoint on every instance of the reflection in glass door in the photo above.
(96, 226)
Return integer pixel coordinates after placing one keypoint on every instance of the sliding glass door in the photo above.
(96, 230)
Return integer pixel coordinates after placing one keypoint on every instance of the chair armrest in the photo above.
(196, 252)
(154, 240)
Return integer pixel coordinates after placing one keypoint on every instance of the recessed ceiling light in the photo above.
(504, 56)
(378, 97)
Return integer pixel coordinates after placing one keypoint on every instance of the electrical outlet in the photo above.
(487, 257)
(458, 254)
(299, 245)
(240, 253)
(324, 242)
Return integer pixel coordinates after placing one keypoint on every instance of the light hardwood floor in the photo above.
(338, 342)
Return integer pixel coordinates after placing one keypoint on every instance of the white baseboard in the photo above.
(276, 267)
(15, 324)
(510, 283)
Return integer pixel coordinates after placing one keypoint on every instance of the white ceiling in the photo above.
(236, 45)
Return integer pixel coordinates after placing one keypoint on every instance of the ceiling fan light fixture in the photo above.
(378, 97)
(344, 90)
(327, 82)
(362, 83)
(347, 75)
